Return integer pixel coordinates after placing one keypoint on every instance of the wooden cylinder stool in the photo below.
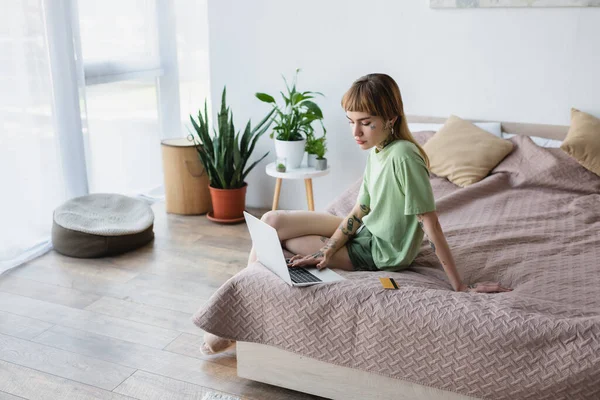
(186, 181)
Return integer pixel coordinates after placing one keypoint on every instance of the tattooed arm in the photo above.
(430, 224)
(345, 231)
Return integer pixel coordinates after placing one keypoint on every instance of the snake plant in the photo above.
(226, 153)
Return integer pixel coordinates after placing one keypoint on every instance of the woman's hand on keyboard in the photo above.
(320, 259)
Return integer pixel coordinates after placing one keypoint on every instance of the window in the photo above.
(87, 90)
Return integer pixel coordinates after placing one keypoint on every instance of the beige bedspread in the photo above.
(533, 224)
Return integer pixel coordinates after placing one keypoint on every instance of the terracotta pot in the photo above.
(228, 203)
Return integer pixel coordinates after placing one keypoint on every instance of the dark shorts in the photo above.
(359, 250)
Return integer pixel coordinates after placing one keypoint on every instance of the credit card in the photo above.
(389, 283)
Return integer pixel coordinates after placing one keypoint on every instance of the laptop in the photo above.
(270, 254)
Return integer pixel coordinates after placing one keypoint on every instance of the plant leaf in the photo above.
(202, 132)
(287, 101)
(252, 166)
(319, 93)
(286, 83)
(264, 121)
(313, 107)
(265, 97)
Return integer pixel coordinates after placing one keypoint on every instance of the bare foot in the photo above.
(214, 344)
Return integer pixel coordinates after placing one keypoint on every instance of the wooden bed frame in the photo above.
(278, 367)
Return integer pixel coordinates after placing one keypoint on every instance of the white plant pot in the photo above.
(311, 160)
(292, 151)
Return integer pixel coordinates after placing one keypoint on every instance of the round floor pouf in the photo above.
(101, 224)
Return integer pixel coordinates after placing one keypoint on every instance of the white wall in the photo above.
(521, 65)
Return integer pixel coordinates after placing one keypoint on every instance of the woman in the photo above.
(395, 206)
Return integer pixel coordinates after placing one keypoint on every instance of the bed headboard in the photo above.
(558, 132)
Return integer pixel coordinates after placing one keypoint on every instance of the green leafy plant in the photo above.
(226, 153)
(296, 118)
(316, 146)
(280, 168)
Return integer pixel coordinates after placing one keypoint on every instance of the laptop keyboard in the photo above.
(300, 275)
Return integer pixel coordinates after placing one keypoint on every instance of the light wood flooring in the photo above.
(120, 327)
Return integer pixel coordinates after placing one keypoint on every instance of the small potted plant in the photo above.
(280, 165)
(293, 122)
(313, 146)
(224, 156)
(320, 148)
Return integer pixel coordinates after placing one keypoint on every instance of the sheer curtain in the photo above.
(31, 176)
(87, 90)
(122, 68)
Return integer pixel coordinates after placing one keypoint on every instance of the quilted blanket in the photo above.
(533, 224)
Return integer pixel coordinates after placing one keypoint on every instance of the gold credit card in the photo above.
(388, 283)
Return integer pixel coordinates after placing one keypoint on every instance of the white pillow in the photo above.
(540, 141)
(492, 127)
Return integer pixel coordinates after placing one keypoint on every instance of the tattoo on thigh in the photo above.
(365, 209)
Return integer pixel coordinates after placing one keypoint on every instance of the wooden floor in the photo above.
(120, 327)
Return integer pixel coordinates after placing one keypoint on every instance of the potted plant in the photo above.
(280, 165)
(315, 147)
(320, 148)
(293, 123)
(224, 156)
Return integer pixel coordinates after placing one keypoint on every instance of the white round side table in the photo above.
(304, 172)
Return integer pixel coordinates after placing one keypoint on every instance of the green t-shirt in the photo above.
(396, 187)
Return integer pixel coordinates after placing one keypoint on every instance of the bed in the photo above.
(533, 224)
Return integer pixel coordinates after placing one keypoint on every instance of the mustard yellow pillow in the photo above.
(464, 153)
(583, 140)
